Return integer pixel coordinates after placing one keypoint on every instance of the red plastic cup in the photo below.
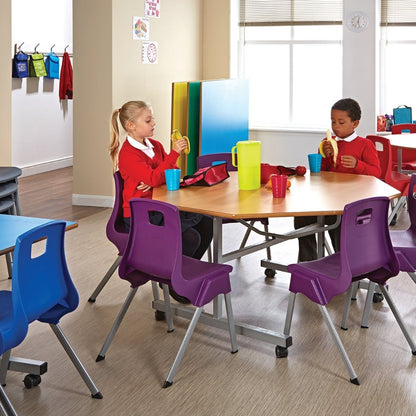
(279, 184)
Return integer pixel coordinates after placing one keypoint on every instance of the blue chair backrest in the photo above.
(41, 283)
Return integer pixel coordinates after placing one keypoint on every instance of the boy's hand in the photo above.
(327, 148)
(349, 162)
(143, 187)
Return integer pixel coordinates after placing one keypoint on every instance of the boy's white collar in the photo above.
(349, 138)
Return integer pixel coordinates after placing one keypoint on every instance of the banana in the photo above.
(176, 135)
(334, 145)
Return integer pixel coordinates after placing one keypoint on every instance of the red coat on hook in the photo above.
(65, 85)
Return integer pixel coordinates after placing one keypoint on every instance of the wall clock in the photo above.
(357, 21)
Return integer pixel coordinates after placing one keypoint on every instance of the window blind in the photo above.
(290, 12)
(398, 12)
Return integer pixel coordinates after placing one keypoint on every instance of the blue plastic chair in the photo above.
(154, 253)
(366, 252)
(42, 290)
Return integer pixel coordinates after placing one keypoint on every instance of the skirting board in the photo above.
(46, 166)
(93, 200)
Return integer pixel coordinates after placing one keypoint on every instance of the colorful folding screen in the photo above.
(179, 115)
(224, 115)
(213, 114)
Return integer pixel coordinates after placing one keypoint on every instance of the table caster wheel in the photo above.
(270, 273)
(377, 297)
(32, 380)
(281, 352)
(160, 316)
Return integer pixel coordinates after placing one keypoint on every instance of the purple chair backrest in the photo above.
(154, 250)
(206, 160)
(365, 240)
(411, 203)
(115, 229)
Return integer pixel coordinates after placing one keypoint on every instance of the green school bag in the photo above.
(37, 65)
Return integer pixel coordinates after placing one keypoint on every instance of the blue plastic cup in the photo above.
(173, 177)
(315, 160)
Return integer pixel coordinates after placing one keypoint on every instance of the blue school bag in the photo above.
(20, 65)
(52, 66)
(402, 114)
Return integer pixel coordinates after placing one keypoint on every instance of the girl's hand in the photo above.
(180, 145)
(143, 187)
(328, 149)
(349, 162)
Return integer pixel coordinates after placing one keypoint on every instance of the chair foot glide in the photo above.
(97, 395)
(167, 384)
(99, 358)
(281, 352)
(355, 381)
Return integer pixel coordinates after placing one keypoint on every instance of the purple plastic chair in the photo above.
(116, 233)
(207, 160)
(197, 280)
(366, 253)
(404, 241)
(404, 245)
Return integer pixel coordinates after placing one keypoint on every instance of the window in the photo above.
(398, 54)
(292, 55)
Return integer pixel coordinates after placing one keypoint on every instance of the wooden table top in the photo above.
(324, 193)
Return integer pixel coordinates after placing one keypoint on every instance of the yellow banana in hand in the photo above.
(176, 135)
(334, 145)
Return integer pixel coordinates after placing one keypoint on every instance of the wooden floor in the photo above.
(311, 381)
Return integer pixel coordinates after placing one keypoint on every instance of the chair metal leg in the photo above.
(398, 317)
(337, 340)
(347, 304)
(6, 406)
(289, 313)
(169, 380)
(105, 279)
(368, 304)
(116, 324)
(412, 276)
(95, 393)
(231, 325)
(4, 366)
(166, 297)
(9, 262)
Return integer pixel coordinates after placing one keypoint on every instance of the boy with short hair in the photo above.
(355, 155)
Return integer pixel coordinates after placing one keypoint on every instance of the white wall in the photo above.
(42, 131)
